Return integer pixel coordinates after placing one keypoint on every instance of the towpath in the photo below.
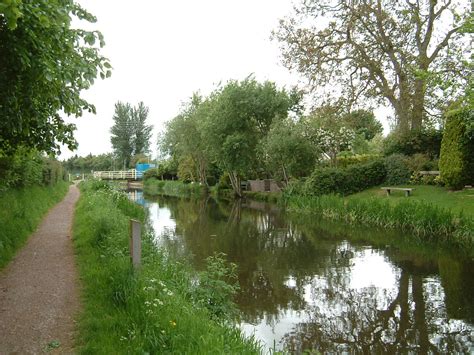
(39, 294)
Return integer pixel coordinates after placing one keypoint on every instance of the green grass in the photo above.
(158, 309)
(21, 211)
(420, 218)
(456, 201)
(156, 187)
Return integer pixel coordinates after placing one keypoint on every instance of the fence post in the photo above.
(135, 243)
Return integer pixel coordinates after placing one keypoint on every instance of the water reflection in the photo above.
(307, 285)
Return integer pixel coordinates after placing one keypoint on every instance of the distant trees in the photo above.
(89, 163)
(44, 66)
(407, 53)
(130, 133)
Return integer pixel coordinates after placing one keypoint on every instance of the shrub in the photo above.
(347, 160)
(408, 143)
(457, 151)
(346, 180)
(151, 174)
(398, 172)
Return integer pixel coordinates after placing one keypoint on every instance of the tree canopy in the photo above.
(410, 54)
(44, 66)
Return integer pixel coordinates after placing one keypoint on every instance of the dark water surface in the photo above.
(307, 284)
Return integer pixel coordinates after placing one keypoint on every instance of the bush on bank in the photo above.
(21, 210)
(161, 308)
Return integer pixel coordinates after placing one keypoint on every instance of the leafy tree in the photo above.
(287, 151)
(326, 129)
(363, 122)
(130, 133)
(44, 66)
(184, 139)
(240, 115)
(409, 53)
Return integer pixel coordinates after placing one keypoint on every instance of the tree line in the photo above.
(248, 129)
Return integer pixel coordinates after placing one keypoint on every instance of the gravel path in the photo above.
(39, 294)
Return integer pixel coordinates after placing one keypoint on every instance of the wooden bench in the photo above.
(406, 189)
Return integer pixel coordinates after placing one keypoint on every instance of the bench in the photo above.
(406, 189)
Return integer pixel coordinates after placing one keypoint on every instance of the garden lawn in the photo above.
(456, 201)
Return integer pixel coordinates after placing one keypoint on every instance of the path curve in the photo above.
(39, 293)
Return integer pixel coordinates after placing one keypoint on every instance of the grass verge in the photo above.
(425, 220)
(21, 211)
(161, 308)
(456, 201)
(156, 187)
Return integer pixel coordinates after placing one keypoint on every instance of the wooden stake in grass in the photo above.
(135, 242)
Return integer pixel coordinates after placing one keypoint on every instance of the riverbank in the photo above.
(154, 187)
(159, 309)
(424, 220)
(431, 213)
(21, 210)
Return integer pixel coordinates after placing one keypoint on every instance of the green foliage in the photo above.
(21, 210)
(45, 63)
(101, 162)
(184, 140)
(172, 188)
(414, 142)
(398, 171)
(344, 181)
(286, 151)
(217, 287)
(130, 135)
(457, 151)
(364, 123)
(241, 115)
(26, 167)
(161, 308)
(344, 161)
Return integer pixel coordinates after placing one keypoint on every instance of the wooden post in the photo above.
(135, 242)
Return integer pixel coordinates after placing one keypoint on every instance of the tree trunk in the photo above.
(235, 182)
(418, 105)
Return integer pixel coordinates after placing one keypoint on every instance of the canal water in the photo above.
(308, 284)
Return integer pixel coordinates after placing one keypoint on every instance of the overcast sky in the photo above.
(163, 51)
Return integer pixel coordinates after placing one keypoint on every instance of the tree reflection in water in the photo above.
(306, 284)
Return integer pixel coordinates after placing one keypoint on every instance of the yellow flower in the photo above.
(173, 323)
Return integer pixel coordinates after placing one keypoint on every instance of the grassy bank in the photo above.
(456, 201)
(162, 308)
(154, 187)
(21, 210)
(425, 220)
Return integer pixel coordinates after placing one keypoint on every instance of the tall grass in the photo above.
(171, 188)
(161, 308)
(424, 220)
(21, 210)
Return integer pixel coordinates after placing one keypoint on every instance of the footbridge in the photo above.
(131, 174)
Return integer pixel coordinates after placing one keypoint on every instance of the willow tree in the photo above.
(410, 53)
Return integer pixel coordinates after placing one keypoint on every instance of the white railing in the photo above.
(118, 175)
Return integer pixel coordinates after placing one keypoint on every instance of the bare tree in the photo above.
(409, 53)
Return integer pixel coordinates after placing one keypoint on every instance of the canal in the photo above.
(309, 284)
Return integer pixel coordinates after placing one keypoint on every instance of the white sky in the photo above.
(163, 51)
